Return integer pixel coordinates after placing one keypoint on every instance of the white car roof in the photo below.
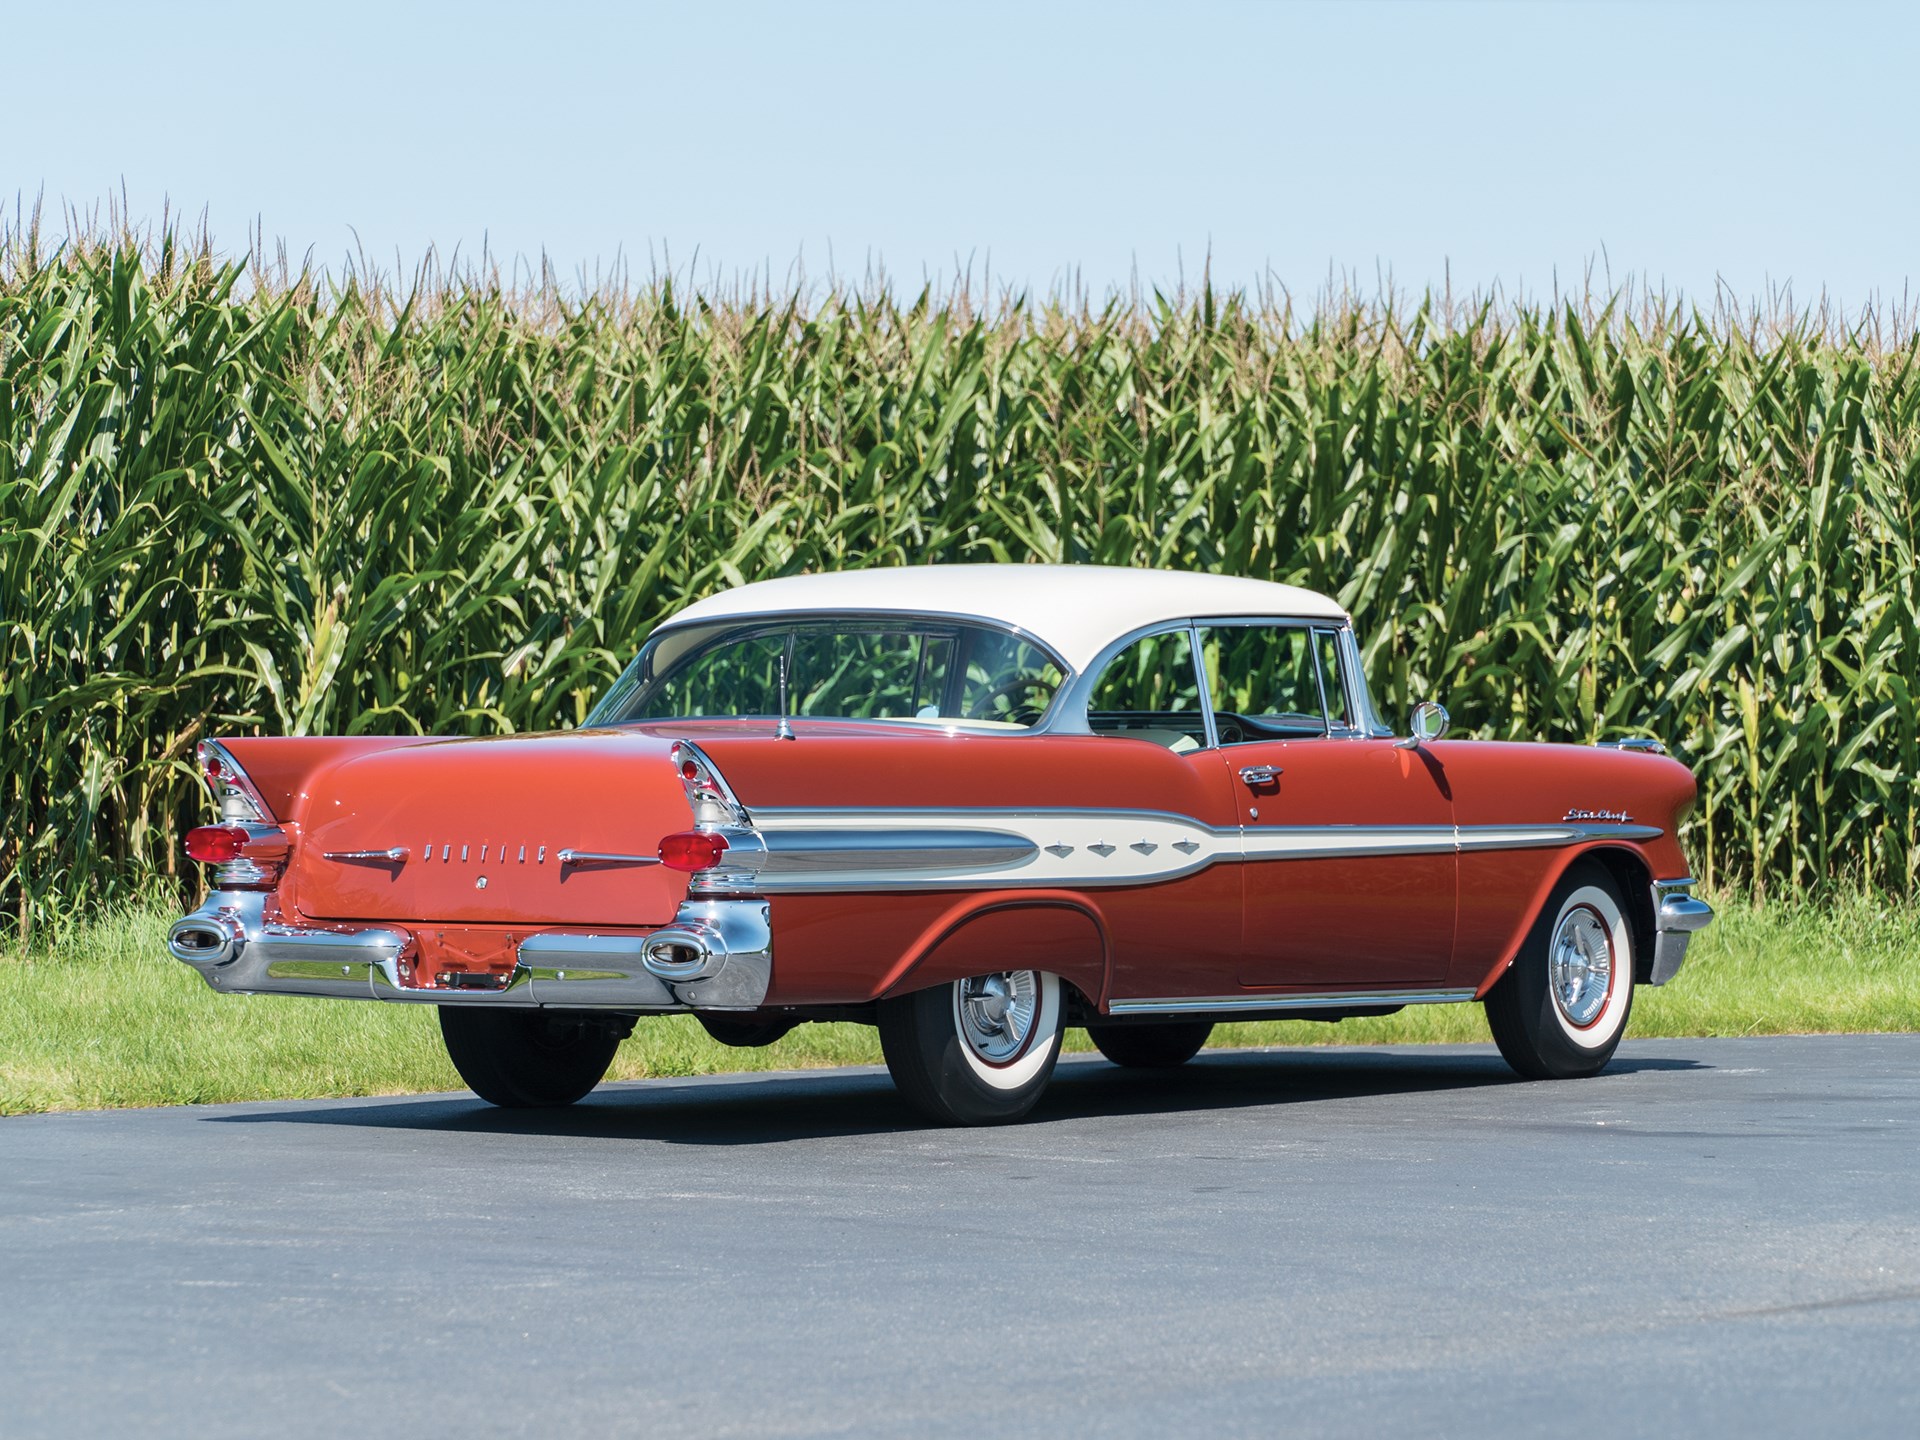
(1077, 610)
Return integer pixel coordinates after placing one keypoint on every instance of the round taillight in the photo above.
(692, 850)
(689, 770)
(215, 844)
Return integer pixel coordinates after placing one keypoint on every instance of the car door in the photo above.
(1350, 873)
(1178, 936)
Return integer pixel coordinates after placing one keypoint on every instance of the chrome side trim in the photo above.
(871, 850)
(804, 851)
(1536, 837)
(1678, 917)
(1320, 1000)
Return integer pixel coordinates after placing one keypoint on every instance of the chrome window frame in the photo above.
(1076, 722)
(1358, 707)
(1369, 718)
(1068, 714)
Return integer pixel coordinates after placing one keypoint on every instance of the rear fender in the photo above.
(1042, 930)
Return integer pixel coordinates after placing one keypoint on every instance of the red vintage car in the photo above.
(972, 805)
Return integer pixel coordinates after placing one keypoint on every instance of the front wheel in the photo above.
(528, 1059)
(1560, 1010)
(978, 1051)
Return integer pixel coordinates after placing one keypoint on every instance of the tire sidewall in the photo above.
(1534, 1036)
(1603, 1033)
(1035, 1060)
(938, 1072)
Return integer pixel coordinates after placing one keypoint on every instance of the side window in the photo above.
(1272, 682)
(1006, 680)
(1150, 692)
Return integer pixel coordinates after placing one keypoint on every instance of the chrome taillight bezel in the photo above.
(234, 793)
(717, 809)
(241, 804)
(712, 801)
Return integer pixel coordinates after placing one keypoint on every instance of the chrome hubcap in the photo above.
(1581, 966)
(996, 1012)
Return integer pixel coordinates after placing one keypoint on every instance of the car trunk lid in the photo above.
(535, 830)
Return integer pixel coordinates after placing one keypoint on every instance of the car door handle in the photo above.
(1259, 774)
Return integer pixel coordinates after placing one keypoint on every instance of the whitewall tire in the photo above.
(1561, 1009)
(978, 1051)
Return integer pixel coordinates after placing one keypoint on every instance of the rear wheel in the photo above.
(528, 1059)
(978, 1051)
(1150, 1047)
(1560, 1010)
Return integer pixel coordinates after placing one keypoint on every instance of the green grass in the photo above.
(105, 1019)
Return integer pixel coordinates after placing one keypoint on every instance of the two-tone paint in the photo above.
(1359, 875)
(1349, 872)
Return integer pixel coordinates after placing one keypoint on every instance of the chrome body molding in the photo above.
(1677, 918)
(794, 851)
(395, 856)
(1318, 1000)
(585, 859)
(724, 949)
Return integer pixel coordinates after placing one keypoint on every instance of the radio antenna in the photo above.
(782, 730)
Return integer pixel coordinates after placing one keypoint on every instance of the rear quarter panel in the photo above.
(1105, 940)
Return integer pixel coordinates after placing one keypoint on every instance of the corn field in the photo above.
(240, 501)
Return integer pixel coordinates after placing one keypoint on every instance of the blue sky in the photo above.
(1498, 143)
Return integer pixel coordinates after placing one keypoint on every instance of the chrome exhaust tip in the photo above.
(684, 952)
(204, 941)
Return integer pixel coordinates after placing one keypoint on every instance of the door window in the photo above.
(1274, 682)
(1150, 691)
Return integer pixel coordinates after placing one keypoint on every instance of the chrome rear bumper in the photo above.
(716, 955)
(1677, 917)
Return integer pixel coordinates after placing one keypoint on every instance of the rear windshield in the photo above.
(916, 671)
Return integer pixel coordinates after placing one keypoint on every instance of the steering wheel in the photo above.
(982, 707)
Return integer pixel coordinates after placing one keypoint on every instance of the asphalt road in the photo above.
(1717, 1237)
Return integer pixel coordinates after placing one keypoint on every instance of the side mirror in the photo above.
(1428, 722)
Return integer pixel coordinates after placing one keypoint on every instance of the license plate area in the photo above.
(446, 959)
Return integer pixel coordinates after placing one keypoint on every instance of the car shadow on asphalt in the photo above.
(751, 1109)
